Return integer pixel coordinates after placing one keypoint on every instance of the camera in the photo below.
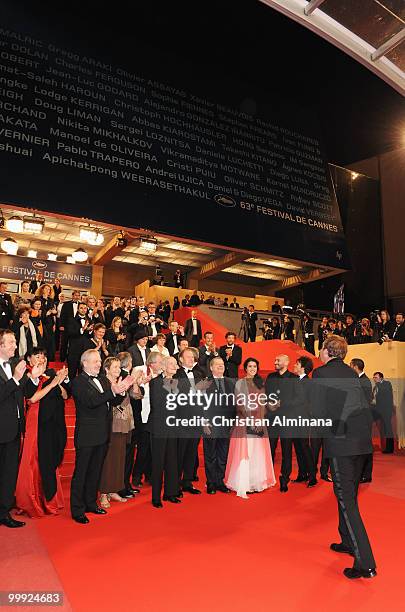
(374, 316)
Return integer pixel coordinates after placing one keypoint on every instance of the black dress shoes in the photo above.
(172, 499)
(192, 490)
(364, 480)
(341, 548)
(326, 478)
(8, 521)
(96, 510)
(222, 488)
(352, 572)
(211, 490)
(283, 485)
(301, 478)
(82, 519)
(179, 494)
(312, 482)
(157, 504)
(127, 493)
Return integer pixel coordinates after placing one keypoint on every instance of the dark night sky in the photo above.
(360, 114)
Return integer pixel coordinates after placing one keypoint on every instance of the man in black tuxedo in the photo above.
(139, 350)
(67, 312)
(216, 437)
(251, 322)
(309, 336)
(276, 307)
(6, 307)
(349, 331)
(358, 366)
(323, 331)
(14, 384)
(207, 352)
(192, 330)
(234, 303)
(194, 300)
(78, 330)
(383, 401)
(306, 464)
(285, 397)
(188, 375)
(398, 330)
(155, 323)
(338, 396)
(231, 354)
(173, 338)
(178, 279)
(94, 396)
(36, 283)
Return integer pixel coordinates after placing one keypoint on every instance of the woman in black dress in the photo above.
(49, 312)
(116, 337)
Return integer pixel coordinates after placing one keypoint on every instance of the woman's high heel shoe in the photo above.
(104, 503)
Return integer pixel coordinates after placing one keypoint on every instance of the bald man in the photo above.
(283, 384)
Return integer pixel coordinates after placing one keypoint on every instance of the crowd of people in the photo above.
(124, 362)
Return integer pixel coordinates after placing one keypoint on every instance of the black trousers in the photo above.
(86, 478)
(383, 420)
(143, 461)
(309, 344)
(305, 459)
(346, 473)
(368, 467)
(316, 444)
(187, 449)
(164, 463)
(215, 458)
(194, 341)
(73, 362)
(130, 447)
(286, 455)
(252, 334)
(9, 458)
(64, 341)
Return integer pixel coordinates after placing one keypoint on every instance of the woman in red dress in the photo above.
(39, 490)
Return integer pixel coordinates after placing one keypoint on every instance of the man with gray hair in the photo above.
(94, 396)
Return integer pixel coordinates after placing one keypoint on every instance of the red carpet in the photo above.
(223, 553)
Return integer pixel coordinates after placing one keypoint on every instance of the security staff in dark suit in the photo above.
(68, 312)
(283, 385)
(216, 436)
(309, 336)
(231, 354)
(6, 307)
(192, 330)
(78, 330)
(306, 464)
(358, 366)
(94, 396)
(173, 338)
(383, 403)
(338, 396)
(14, 384)
(188, 375)
(251, 323)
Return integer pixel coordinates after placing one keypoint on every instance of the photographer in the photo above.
(362, 332)
(308, 333)
(267, 332)
(382, 325)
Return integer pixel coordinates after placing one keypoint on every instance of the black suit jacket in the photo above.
(66, 313)
(220, 406)
(338, 395)
(384, 399)
(188, 330)
(398, 334)
(233, 362)
(12, 403)
(93, 413)
(170, 342)
(204, 360)
(367, 388)
(77, 340)
(6, 307)
(136, 355)
(251, 320)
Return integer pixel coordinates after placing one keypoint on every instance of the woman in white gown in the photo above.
(250, 467)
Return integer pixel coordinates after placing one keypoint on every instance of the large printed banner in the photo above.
(133, 145)
(14, 267)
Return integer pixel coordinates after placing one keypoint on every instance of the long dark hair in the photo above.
(257, 379)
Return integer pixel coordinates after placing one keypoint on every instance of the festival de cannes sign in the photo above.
(14, 267)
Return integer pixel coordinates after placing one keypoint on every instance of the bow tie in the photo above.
(188, 371)
(93, 377)
(6, 363)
